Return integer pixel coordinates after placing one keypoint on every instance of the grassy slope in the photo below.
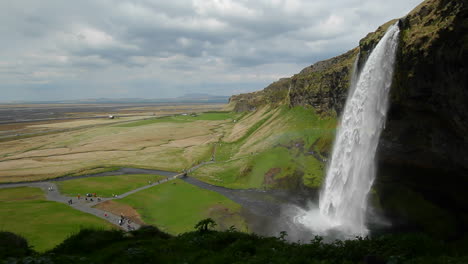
(176, 207)
(44, 223)
(106, 186)
(275, 143)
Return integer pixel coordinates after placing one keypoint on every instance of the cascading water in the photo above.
(351, 172)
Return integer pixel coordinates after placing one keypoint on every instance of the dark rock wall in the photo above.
(424, 147)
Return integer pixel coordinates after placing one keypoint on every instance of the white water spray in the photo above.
(351, 172)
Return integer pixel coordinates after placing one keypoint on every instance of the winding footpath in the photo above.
(53, 194)
(263, 209)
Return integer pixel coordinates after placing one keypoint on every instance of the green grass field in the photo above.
(45, 224)
(290, 133)
(176, 207)
(107, 185)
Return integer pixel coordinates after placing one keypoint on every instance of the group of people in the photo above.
(90, 196)
(122, 222)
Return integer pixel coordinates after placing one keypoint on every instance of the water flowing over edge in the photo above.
(343, 201)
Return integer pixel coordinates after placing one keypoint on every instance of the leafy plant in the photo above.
(205, 225)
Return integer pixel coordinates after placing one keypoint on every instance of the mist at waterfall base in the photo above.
(342, 211)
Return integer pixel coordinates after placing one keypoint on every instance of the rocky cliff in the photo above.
(273, 94)
(423, 153)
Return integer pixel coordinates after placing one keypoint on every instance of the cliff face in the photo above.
(273, 94)
(423, 152)
(324, 85)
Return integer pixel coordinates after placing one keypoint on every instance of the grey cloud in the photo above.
(142, 47)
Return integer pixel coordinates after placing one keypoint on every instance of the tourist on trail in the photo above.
(120, 222)
(91, 200)
(79, 196)
(105, 215)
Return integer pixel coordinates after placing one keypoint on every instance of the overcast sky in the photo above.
(54, 50)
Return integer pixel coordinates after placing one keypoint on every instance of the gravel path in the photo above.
(53, 194)
(259, 206)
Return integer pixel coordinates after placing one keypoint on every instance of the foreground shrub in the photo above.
(151, 245)
(149, 231)
(13, 245)
(88, 240)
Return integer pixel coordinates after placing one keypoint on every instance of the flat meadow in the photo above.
(175, 207)
(45, 224)
(168, 143)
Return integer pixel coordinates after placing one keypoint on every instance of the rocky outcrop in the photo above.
(273, 94)
(324, 85)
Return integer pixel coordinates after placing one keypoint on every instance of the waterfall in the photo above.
(351, 172)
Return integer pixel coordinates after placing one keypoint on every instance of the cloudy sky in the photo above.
(55, 49)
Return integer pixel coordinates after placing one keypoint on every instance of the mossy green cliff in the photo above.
(423, 152)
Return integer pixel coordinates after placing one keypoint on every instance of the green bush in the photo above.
(13, 245)
(205, 225)
(150, 245)
(88, 240)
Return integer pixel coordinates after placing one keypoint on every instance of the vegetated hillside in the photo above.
(423, 153)
(150, 245)
(272, 147)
